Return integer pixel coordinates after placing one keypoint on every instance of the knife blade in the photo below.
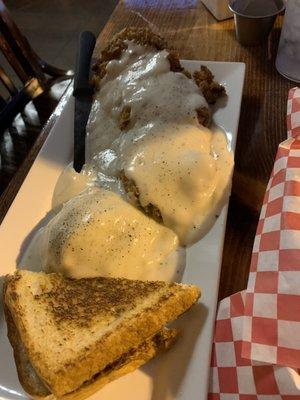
(83, 93)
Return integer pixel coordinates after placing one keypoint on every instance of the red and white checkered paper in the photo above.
(256, 352)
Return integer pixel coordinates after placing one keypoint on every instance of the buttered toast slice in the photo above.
(128, 362)
(72, 330)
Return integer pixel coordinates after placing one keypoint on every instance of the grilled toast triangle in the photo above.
(128, 362)
(73, 329)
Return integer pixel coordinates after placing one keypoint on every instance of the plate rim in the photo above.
(61, 106)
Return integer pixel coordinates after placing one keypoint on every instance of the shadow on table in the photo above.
(169, 369)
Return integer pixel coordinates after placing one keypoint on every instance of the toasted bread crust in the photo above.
(166, 302)
(161, 342)
(130, 361)
(28, 377)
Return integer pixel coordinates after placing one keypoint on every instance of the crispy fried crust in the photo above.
(133, 196)
(203, 116)
(125, 117)
(205, 80)
(142, 36)
(175, 65)
(113, 50)
(154, 212)
(130, 188)
(142, 308)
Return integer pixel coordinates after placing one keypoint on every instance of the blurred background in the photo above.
(52, 26)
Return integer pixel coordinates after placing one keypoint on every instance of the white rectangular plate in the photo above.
(183, 372)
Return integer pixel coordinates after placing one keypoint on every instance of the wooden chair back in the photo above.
(26, 77)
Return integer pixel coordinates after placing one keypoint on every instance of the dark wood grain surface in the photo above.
(195, 34)
(193, 31)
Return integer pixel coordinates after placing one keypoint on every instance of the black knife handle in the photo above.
(86, 46)
(83, 96)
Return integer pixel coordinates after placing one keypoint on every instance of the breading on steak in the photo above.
(205, 80)
(133, 196)
(124, 117)
(113, 50)
(203, 116)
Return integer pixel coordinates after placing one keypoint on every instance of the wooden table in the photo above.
(193, 31)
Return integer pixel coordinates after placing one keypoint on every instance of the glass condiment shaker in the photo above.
(288, 56)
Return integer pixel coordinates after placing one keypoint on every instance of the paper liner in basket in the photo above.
(256, 353)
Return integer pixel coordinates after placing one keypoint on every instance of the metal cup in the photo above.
(254, 19)
(288, 56)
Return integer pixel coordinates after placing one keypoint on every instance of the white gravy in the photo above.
(97, 233)
(181, 167)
